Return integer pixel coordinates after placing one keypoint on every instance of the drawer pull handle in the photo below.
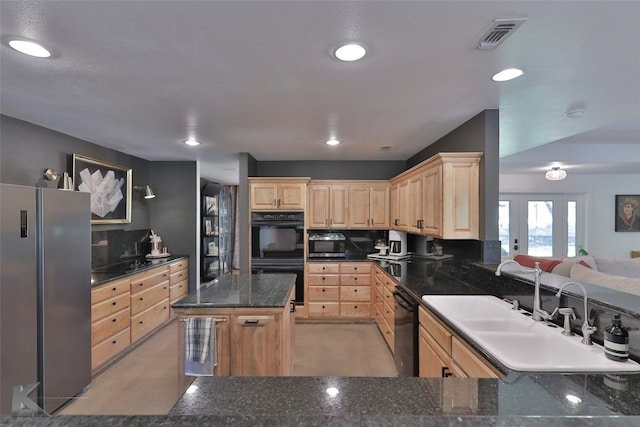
(165, 307)
(356, 307)
(140, 322)
(113, 320)
(113, 342)
(322, 277)
(355, 278)
(114, 289)
(323, 289)
(251, 322)
(355, 290)
(323, 268)
(355, 268)
(323, 306)
(140, 283)
(141, 298)
(113, 303)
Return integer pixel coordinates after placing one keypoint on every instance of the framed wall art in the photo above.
(110, 188)
(628, 212)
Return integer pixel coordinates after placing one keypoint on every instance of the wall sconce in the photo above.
(148, 192)
(556, 174)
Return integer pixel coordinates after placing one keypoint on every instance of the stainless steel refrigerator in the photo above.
(45, 294)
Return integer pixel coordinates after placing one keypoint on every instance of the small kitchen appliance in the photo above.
(397, 247)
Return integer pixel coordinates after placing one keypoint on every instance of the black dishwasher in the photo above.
(406, 333)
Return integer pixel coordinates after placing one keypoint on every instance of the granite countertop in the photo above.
(128, 267)
(242, 290)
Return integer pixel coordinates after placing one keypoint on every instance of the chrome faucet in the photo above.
(587, 329)
(538, 313)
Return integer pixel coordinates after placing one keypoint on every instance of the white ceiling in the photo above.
(258, 77)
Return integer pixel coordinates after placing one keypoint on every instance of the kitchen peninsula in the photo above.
(254, 320)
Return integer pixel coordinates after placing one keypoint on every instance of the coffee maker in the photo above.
(397, 243)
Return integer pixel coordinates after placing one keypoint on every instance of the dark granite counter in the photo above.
(128, 268)
(242, 291)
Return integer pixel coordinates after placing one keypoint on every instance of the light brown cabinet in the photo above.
(441, 197)
(338, 290)
(249, 341)
(442, 353)
(328, 206)
(384, 306)
(125, 310)
(278, 193)
(369, 206)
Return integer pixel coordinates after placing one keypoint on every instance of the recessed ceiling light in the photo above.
(333, 141)
(29, 48)
(350, 52)
(192, 142)
(508, 74)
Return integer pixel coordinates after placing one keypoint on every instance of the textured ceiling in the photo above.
(258, 77)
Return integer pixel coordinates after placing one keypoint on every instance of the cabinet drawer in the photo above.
(110, 306)
(178, 291)
(324, 279)
(178, 277)
(323, 268)
(355, 279)
(109, 348)
(149, 319)
(355, 309)
(387, 294)
(108, 290)
(145, 299)
(355, 268)
(324, 309)
(472, 364)
(105, 328)
(143, 281)
(324, 293)
(439, 333)
(389, 315)
(355, 293)
(178, 265)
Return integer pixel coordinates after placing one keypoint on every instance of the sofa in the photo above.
(622, 274)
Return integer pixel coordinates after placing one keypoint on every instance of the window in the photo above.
(541, 224)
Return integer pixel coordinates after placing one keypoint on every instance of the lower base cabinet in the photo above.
(442, 353)
(126, 310)
(249, 341)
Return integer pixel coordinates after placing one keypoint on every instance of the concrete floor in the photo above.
(144, 382)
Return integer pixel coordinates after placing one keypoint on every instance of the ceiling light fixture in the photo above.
(575, 113)
(30, 48)
(333, 141)
(507, 74)
(556, 174)
(350, 52)
(192, 142)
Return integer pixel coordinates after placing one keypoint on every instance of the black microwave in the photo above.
(327, 245)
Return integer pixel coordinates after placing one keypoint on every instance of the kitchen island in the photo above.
(254, 320)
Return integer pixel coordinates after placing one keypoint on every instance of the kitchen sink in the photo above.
(519, 342)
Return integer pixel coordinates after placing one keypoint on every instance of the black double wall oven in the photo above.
(277, 245)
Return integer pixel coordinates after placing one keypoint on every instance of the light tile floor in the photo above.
(144, 382)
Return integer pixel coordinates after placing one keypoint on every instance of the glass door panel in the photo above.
(540, 227)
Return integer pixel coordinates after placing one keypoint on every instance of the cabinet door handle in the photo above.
(293, 306)
(252, 322)
(446, 373)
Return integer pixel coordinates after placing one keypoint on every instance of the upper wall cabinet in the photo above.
(348, 204)
(441, 197)
(286, 194)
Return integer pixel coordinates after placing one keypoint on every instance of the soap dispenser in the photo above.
(616, 341)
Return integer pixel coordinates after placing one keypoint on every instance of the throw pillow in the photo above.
(563, 268)
(546, 264)
(623, 284)
(619, 266)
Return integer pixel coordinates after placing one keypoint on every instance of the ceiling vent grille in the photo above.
(386, 147)
(498, 31)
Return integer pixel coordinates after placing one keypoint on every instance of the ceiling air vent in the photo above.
(385, 147)
(498, 31)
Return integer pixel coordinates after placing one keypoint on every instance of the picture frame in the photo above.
(110, 188)
(627, 209)
(211, 205)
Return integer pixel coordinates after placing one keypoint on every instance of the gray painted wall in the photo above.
(333, 170)
(480, 133)
(27, 150)
(174, 213)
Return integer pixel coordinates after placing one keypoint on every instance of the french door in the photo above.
(541, 224)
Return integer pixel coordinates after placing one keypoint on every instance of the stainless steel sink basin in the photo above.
(517, 341)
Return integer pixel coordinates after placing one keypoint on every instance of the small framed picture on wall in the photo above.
(627, 212)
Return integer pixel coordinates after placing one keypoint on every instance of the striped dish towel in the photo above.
(199, 339)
